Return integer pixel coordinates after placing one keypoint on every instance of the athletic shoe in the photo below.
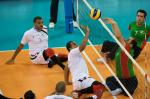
(51, 64)
(75, 24)
(51, 25)
(116, 91)
(101, 59)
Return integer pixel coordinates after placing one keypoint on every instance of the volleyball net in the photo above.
(100, 32)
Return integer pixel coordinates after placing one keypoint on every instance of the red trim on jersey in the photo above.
(129, 28)
(124, 62)
(144, 42)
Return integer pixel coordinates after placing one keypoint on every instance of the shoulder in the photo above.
(29, 31)
(75, 51)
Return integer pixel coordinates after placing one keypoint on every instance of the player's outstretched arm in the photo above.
(83, 44)
(66, 75)
(11, 61)
(116, 29)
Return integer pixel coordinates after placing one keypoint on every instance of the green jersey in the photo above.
(124, 66)
(140, 33)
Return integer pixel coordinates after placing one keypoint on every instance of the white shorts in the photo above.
(77, 85)
(40, 59)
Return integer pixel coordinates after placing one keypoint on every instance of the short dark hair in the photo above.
(37, 18)
(29, 95)
(142, 11)
(68, 45)
(60, 87)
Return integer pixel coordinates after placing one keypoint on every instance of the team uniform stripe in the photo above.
(144, 42)
(118, 65)
(124, 63)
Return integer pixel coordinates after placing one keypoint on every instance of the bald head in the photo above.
(60, 87)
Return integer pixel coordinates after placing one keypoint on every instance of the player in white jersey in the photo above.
(82, 82)
(59, 92)
(37, 39)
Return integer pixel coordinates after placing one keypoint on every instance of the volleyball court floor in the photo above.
(23, 75)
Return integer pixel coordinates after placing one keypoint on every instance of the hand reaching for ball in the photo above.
(109, 21)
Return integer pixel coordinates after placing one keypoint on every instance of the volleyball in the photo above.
(95, 14)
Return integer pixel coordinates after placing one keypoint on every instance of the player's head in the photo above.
(60, 87)
(141, 16)
(71, 45)
(38, 23)
(29, 95)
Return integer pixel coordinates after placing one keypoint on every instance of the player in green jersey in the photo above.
(139, 31)
(124, 66)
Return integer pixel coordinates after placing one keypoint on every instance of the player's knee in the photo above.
(110, 78)
(49, 52)
(98, 90)
(63, 57)
(109, 81)
(97, 86)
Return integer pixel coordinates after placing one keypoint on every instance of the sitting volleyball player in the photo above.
(37, 39)
(139, 30)
(82, 82)
(124, 66)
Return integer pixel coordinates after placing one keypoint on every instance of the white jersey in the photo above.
(37, 40)
(77, 65)
(57, 97)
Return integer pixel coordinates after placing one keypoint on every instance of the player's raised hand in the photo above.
(109, 21)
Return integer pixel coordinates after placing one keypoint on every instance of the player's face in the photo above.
(140, 17)
(73, 45)
(38, 24)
